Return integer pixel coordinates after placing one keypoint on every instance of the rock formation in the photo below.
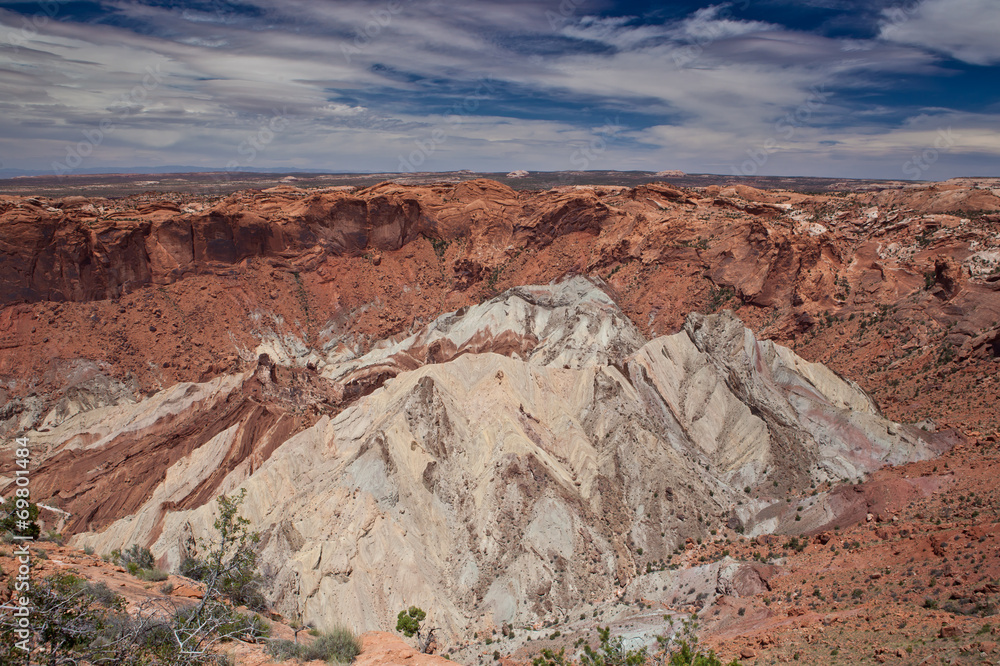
(417, 424)
(507, 462)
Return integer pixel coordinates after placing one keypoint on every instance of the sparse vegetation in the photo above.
(13, 514)
(680, 649)
(87, 623)
(408, 623)
(338, 646)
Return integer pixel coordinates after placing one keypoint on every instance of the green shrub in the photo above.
(136, 554)
(139, 562)
(408, 621)
(153, 575)
(102, 594)
(193, 568)
(10, 520)
(283, 649)
(339, 646)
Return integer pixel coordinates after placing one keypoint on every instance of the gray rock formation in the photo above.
(508, 463)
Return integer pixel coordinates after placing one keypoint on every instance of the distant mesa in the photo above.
(670, 173)
(520, 173)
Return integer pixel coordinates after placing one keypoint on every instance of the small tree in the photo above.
(230, 565)
(611, 652)
(682, 649)
(21, 522)
(230, 571)
(408, 623)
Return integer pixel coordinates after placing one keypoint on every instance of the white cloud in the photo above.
(968, 30)
(223, 76)
(715, 22)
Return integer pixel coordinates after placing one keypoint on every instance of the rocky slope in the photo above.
(176, 592)
(508, 463)
(896, 288)
(532, 453)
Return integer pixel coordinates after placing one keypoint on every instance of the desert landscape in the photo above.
(499, 333)
(531, 413)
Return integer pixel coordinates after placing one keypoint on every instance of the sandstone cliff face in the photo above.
(159, 289)
(508, 462)
(895, 288)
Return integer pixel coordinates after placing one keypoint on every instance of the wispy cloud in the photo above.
(359, 82)
(967, 30)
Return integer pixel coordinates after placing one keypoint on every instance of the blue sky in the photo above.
(843, 88)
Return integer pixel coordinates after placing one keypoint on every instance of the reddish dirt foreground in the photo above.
(380, 648)
(47, 559)
(916, 581)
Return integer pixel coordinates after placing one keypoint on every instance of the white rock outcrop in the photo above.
(506, 463)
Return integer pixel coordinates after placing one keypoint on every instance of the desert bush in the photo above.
(339, 646)
(136, 555)
(12, 517)
(86, 623)
(283, 649)
(138, 561)
(102, 594)
(53, 536)
(153, 575)
(193, 568)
